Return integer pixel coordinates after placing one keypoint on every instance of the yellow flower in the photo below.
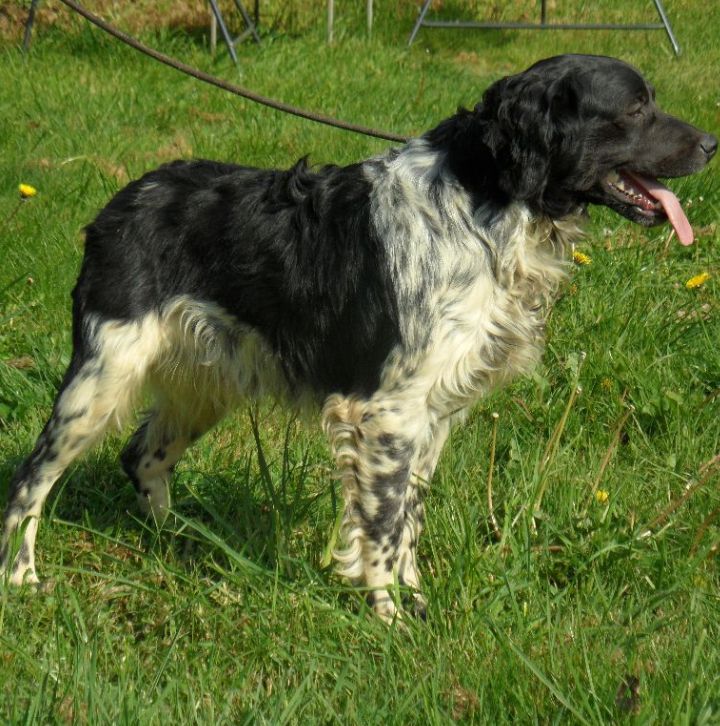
(27, 191)
(697, 281)
(601, 496)
(580, 258)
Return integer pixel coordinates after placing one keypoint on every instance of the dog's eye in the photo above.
(636, 111)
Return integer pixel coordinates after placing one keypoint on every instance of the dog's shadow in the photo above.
(248, 512)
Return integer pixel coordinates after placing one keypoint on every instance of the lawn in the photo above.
(600, 605)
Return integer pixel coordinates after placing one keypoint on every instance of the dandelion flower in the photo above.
(27, 191)
(697, 281)
(580, 258)
(602, 496)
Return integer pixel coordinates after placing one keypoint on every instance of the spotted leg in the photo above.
(378, 446)
(414, 514)
(157, 445)
(95, 392)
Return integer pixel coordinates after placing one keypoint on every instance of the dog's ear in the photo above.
(519, 116)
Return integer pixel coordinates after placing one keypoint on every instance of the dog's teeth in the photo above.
(631, 191)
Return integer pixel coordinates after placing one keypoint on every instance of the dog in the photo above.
(394, 292)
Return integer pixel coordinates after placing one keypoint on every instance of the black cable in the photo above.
(225, 85)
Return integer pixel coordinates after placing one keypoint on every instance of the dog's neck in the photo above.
(439, 237)
(484, 161)
(468, 158)
(470, 198)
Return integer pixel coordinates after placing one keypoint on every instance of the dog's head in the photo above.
(577, 129)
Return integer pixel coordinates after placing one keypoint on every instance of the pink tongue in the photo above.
(671, 205)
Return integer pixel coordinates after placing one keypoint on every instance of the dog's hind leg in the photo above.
(106, 371)
(157, 445)
(377, 449)
(148, 460)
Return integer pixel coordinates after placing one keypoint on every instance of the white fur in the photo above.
(473, 301)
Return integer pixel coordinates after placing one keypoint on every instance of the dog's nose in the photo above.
(709, 145)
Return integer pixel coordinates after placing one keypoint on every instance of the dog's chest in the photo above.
(491, 329)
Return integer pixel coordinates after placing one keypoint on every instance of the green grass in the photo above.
(228, 616)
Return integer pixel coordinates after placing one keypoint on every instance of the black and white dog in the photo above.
(395, 292)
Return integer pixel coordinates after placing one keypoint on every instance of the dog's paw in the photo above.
(419, 607)
(383, 605)
(155, 504)
(19, 576)
(413, 605)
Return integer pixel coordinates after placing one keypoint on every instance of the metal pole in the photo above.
(29, 25)
(223, 29)
(545, 25)
(419, 21)
(667, 26)
(248, 21)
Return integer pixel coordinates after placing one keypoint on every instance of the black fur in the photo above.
(549, 135)
(292, 254)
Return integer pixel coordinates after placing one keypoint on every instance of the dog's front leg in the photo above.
(414, 515)
(385, 453)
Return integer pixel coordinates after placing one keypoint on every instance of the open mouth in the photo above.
(649, 199)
